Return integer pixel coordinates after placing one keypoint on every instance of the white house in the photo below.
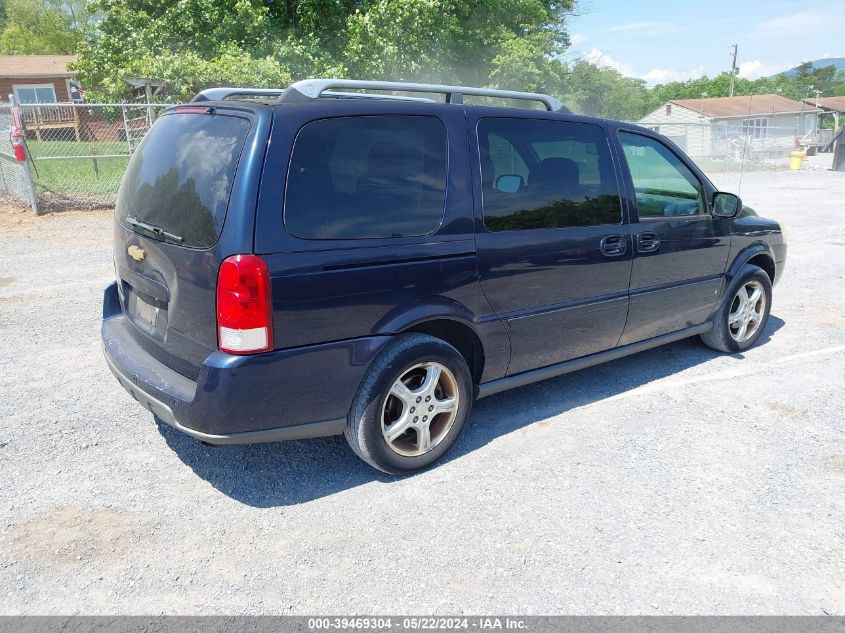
(735, 127)
(829, 105)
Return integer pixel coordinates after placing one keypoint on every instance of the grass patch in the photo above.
(77, 172)
(41, 149)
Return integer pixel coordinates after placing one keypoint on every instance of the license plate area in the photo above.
(146, 312)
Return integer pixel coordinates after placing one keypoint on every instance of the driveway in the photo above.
(674, 481)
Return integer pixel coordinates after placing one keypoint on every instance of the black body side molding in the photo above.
(551, 371)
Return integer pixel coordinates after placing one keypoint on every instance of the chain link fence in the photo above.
(718, 147)
(79, 152)
(15, 177)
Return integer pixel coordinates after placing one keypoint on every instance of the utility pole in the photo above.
(733, 68)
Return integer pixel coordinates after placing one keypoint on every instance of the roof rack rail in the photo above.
(362, 95)
(308, 89)
(219, 94)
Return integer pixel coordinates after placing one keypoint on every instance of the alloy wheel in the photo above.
(747, 310)
(420, 409)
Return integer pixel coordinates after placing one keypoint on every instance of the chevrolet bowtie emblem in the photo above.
(135, 252)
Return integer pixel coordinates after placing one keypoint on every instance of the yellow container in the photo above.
(795, 160)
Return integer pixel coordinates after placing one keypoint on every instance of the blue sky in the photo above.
(662, 41)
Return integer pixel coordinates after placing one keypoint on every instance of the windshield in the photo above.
(178, 182)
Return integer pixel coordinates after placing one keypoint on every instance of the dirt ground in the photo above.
(675, 481)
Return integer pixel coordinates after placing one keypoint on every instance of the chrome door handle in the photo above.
(647, 242)
(613, 245)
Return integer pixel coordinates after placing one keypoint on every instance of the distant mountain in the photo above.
(839, 62)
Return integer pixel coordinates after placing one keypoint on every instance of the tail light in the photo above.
(244, 308)
(192, 110)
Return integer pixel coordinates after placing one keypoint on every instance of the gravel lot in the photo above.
(675, 481)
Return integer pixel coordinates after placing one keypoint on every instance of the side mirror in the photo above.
(509, 183)
(726, 205)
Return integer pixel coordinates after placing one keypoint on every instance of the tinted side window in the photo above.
(664, 186)
(539, 174)
(505, 158)
(367, 176)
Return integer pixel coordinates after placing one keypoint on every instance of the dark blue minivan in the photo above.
(368, 258)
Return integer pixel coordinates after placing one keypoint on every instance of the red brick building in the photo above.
(36, 78)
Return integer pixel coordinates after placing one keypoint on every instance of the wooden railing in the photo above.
(822, 136)
(41, 118)
(48, 114)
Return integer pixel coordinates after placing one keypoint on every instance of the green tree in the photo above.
(604, 92)
(45, 27)
(192, 44)
(828, 79)
(487, 42)
(187, 43)
(796, 85)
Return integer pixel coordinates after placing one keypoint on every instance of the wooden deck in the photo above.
(38, 118)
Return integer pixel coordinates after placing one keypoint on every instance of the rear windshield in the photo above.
(178, 182)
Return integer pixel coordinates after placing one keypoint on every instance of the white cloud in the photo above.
(664, 75)
(598, 57)
(754, 69)
(792, 23)
(577, 39)
(643, 28)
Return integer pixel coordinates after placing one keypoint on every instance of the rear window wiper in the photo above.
(155, 230)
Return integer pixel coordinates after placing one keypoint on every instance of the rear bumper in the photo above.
(165, 414)
(280, 395)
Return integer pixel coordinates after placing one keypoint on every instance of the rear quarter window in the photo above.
(367, 177)
(180, 177)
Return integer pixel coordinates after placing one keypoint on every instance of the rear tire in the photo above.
(744, 312)
(411, 406)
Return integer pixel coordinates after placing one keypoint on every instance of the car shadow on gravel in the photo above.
(288, 473)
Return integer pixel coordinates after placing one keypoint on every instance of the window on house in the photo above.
(668, 109)
(41, 93)
(755, 128)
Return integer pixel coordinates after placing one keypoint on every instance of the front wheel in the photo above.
(411, 406)
(744, 312)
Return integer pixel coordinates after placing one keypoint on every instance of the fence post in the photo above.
(3, 179)
(17, 118)
(727, 148)
(126, 129)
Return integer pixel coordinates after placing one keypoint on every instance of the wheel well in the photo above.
(766, 263)
(459, 336)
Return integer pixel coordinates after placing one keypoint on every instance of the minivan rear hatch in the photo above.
(170, 214)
